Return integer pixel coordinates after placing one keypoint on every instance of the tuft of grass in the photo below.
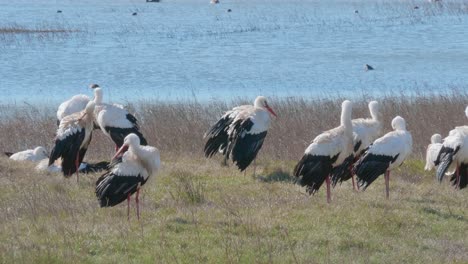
(188, 189)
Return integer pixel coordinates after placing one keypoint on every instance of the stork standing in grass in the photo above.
(36, 154)
(327, 151)
(365, 131)
(385, 154)
(453, 156)
(72, 139)
(432, 151)
(114, 121)
(240, 132)
(131, 167)
(75, 104)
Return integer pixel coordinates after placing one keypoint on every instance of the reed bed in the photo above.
(177, 128)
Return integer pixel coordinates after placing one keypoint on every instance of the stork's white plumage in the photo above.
(365, 131)
(453, 156)
(36, 154)
(115, 121)
(432, 151)
(327, 151)
(240, 132)
(72, 139)
(73, 105)
(385, 154)
(127, 173)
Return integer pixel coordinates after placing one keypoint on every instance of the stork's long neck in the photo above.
(346, 121)
(98, 96)
(141, 156)
(375, 114)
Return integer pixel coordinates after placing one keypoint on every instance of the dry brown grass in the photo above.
(177, 128)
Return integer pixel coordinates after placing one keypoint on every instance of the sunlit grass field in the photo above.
(196, 211)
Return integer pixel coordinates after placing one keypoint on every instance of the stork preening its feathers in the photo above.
(453, 156)
(385, 154)
(36, 154)
(432, 151)
(365, 131)
(72, 139)
(130, 169)
(240, 133)
(114, 121)
(327, 151)
(75, 104)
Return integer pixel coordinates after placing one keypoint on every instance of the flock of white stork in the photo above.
(355, 148)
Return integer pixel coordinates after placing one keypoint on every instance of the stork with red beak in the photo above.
(240, 133)
(131, 167)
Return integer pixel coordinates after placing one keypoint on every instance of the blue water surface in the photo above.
(190, 49)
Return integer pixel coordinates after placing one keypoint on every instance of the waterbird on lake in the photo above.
(385, 154)
(131, 167)
(327, 151)
(432, 151)
(35, 154)
(240, 133)
(72, 139)
(59, 11)
(75, 104)
(365, 131)
(115, 121)
(367, 67)
(214, 2)
(453, 156)
(134, 14)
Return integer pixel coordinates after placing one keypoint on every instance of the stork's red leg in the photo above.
(137, 200)
(354, 183)
(328, 189)
(77, 166)
(128, 207)
(387, 184)
(116, 148)
(457, 171)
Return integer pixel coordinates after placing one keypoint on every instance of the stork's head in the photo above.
(130, 141)
(436, 138)
(398, 123)
(261, 102)
(40, 151)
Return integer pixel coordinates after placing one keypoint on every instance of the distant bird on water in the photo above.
(36, 154)
(327, 151)
(134, 14)
(72, 139)
(240, 132)
(131, 167)
(385, 154)
(214, 2)
(367, 67)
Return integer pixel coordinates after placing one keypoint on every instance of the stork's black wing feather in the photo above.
(444, 160)
(68, 149)
(242, 145)
(312, 171)
(371, 166)
(217, 136)
(8, 154)
(343, 172)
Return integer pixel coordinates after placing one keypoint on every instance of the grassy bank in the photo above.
(197, 211)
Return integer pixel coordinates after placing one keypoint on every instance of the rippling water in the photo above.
(189, 49)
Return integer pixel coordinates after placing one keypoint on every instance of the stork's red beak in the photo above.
(271, 111)
(120, 151)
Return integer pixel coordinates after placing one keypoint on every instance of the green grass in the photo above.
(198, 211)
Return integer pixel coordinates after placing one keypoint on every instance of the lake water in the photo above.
(189, 49)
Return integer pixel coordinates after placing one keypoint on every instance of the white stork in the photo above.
(454, 156)
(72, 139)
(365, 131)
(36, 154)
(327, 151)
(385, 154)
(240, 132)
(114, 121)
(75, 104)
(432, 151)
(127, 173)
